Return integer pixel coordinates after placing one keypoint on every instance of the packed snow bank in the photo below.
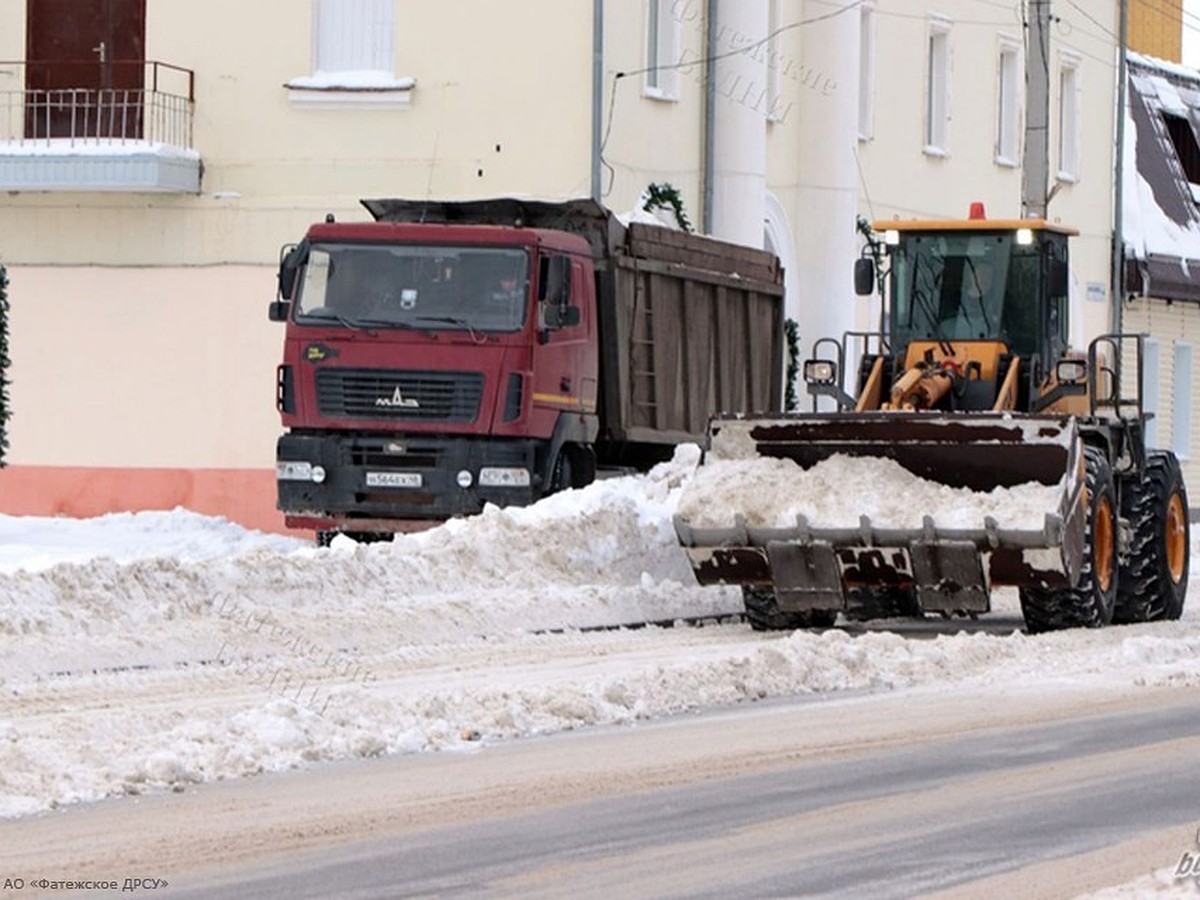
(837, 491)
(33, 543)
(120, 678)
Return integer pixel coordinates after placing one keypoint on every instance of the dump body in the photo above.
(608, 346)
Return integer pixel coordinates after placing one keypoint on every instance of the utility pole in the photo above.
(1036, 162)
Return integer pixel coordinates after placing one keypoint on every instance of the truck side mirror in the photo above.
(864, 276)
(561, 316)
(291, 258)
(554, 280)
(277, 310)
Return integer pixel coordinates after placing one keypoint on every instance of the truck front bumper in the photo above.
(399, 482)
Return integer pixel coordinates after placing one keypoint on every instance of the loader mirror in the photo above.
(864, 276)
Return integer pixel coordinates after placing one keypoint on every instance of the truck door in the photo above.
(565, 357)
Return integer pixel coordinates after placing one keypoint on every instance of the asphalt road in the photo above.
(986, 795)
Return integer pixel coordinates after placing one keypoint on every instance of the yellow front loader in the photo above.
(972, 384)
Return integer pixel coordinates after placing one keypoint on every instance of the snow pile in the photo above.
(120, 678)
(836, 492)
(33, 543)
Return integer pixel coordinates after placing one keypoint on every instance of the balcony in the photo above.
(126, 127)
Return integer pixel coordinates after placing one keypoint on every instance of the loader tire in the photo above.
(1090, 603)
(763, 612)
(1154, 579)
(882, 603)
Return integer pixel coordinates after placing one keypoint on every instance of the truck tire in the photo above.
(763, 612)
(1154, 578)
(1089, 604)
(574, 468)
(882, 603)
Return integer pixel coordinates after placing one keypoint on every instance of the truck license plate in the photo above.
(394, 479)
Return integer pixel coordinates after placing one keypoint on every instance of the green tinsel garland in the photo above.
(791, 331)
(666, 196)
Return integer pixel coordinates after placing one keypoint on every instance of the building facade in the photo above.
(155, 169)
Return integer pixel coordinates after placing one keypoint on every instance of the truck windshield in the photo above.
(966, 286)
(415, 286)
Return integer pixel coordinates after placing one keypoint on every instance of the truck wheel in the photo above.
(1154, 579)
(882, 603)
(1089, 604)
(764, 614)
(575, 468)
(325, 538)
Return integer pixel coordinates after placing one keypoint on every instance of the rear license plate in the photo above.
(394, 479)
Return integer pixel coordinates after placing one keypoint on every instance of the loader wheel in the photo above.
(764, 614)
(882, 603)
(1154, 579)
(1090, 603)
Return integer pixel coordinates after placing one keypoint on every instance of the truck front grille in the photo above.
(398, 394)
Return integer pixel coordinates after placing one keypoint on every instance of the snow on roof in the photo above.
(1160, 220)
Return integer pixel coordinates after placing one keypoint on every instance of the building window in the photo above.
(1068, 119)
(1183, 139)
(866, 73)
(1008, 103)
(353, 56)
(937, 88)
(662, 50)
(1181, 404)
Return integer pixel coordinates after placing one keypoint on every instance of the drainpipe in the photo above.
(710, 99)
(597, 93)
(1118, 246)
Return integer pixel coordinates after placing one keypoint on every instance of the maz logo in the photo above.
(397, 399)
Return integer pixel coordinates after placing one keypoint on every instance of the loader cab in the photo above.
(977, 280)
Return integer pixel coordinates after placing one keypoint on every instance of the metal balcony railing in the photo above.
(79, 104)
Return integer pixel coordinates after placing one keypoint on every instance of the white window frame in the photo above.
(664, 31)
(866, 72)
(1181, 402)
(1070, 103)
(1150, 388)
(1009, 83)
(353, 57)
(937, 87)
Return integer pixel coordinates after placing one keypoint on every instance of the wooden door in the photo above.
(85, 63)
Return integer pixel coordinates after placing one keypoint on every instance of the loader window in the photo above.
(955, 286)
(474, 289)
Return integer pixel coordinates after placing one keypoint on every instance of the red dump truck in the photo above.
(453, 354)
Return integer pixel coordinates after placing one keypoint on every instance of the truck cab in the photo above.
(431, 369)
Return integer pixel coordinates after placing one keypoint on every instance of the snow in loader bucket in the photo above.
(819, 505)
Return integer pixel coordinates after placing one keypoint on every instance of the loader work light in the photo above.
(820, 371)
(1071, 371)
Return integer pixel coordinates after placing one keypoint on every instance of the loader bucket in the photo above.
(1024, 473)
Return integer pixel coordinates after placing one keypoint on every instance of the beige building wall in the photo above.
(153, 306)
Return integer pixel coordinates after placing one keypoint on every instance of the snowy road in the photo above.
(150, 656)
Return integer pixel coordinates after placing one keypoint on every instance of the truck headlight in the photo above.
(497, 476)
(464, 479)
(288, 470)
(318, 474)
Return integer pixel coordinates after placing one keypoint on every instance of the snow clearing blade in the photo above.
(987, 499)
